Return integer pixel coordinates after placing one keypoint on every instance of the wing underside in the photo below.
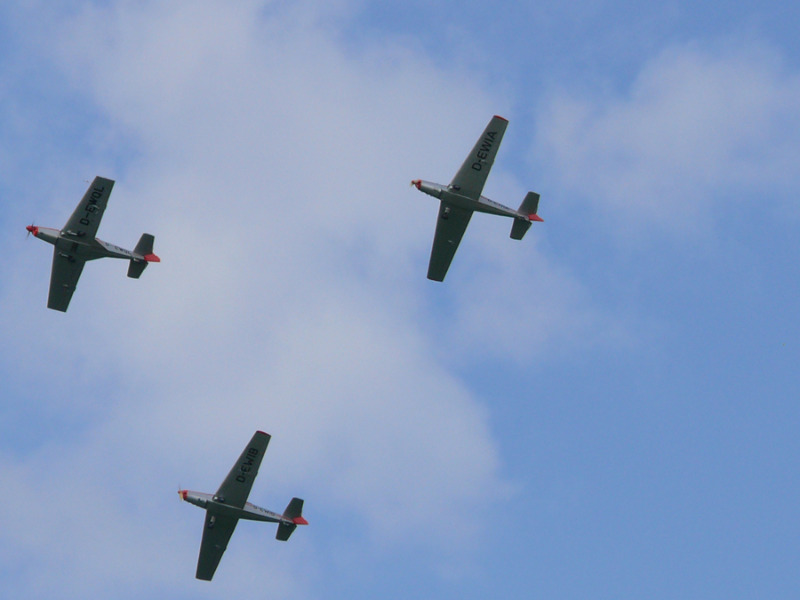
(471, 177)
(216, 535)
(450, 228)
(237, 485)
(63, 280)
(85, 220)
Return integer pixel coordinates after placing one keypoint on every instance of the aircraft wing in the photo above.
(216, 535)
(236, 487)
(63, 280)
(450, 229)
(86, 218)
(471, 177)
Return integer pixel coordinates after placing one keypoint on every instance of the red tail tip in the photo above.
(151, 258)
(536, 218)
(299, 521)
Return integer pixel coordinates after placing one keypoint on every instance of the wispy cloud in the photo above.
(702, 129)
(272, 167)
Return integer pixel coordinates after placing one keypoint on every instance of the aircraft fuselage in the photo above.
(76, 246)
(447, 194)
(216, 507)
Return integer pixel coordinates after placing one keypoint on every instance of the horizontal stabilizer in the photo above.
(136, 268)
(519, 228)
(284, 531)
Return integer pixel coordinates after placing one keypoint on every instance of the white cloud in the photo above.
(700, 130)
(272, 168)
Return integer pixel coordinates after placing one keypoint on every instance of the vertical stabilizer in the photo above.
(145, 245)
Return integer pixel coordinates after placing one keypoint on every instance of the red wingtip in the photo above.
(502, 118)
(536, 218)
(299, 521)
(151, 258)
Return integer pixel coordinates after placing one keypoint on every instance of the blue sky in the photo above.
(606, 409)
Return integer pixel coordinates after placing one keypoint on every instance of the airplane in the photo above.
(76, 243)
(463, 197)
(229, 504)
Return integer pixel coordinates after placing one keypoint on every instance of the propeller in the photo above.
(32, 229)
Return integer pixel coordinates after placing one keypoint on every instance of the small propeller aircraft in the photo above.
(463, 197)
(229, 504)
(76, 243)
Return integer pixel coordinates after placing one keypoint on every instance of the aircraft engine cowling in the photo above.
(432, 189)
(195, 498)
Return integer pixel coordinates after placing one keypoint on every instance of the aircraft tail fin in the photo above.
(144, 250)
(293, 513)
(528, 207)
